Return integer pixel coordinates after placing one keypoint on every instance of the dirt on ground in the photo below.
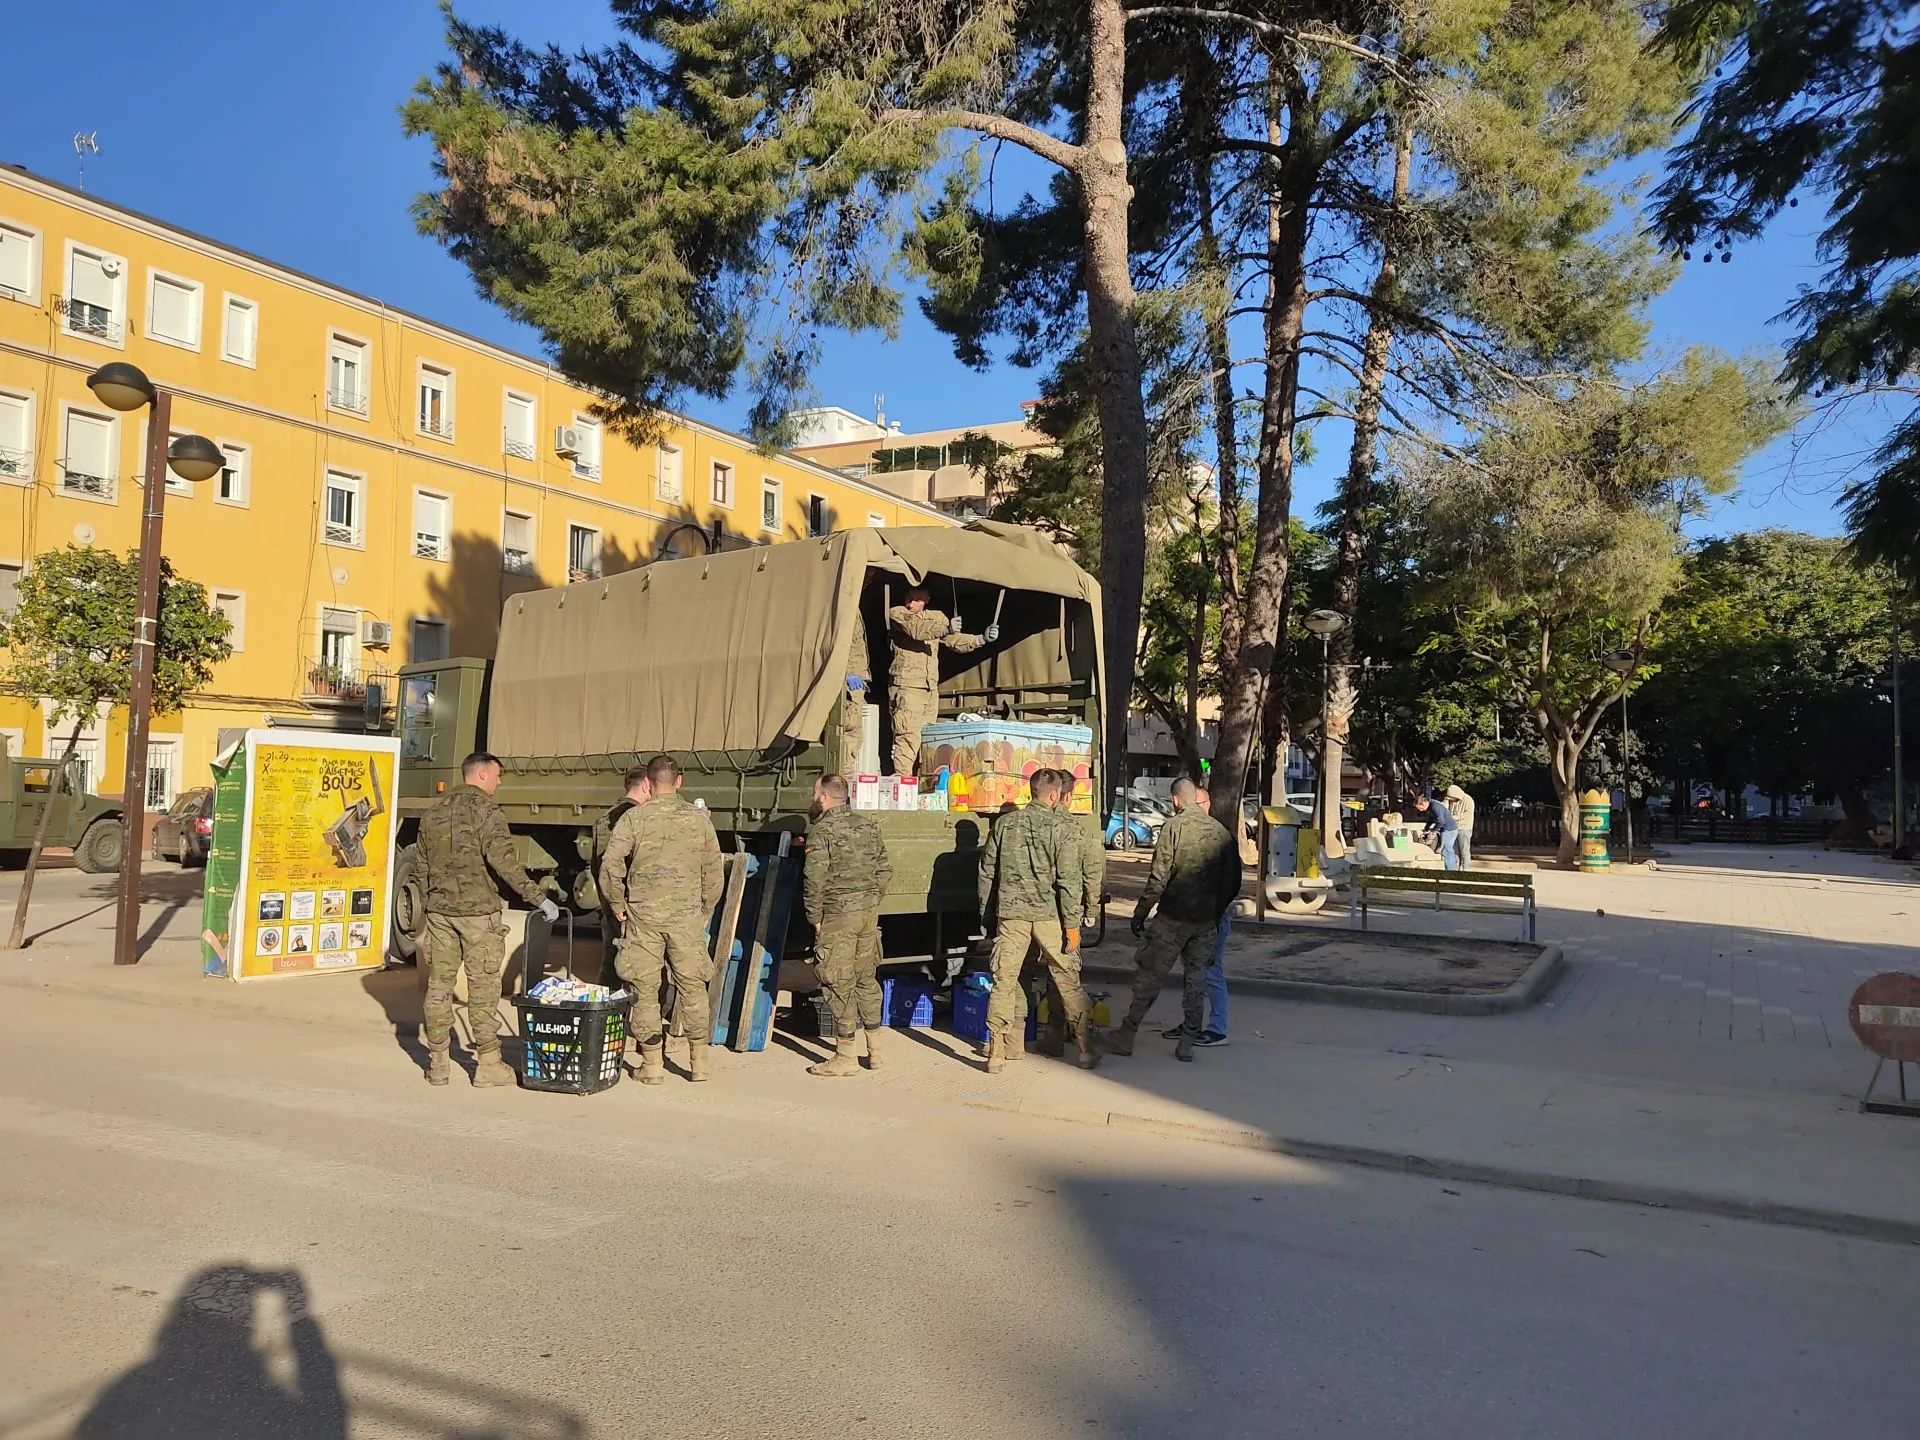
(1388, 962)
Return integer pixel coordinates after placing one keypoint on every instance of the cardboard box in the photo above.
(866, 792)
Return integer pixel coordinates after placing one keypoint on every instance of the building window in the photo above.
(96, 301)
(875, 520)
(666, 475)
(429, 640)
(347, 374)
(583, 553)
(240, 331)
(338, 669)
(522, 424)
(516, 543)
(19, 263)
(175, 485)
(818, 521)
(233, 605)
(769, 504)
(16, 437)
(723, 485)
(586, 461)
(432, 525)
(163, 762)
(88, 464)
(231, 486)
(10, 573)
(173, 310)
(343, 518)
(436, 401)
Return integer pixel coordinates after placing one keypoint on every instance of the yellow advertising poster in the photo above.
(317, 855)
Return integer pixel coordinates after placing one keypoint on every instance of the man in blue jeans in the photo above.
(1440, 819)
(1216, 1031)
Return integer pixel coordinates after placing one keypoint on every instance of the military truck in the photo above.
(735, 663)
(94, 828)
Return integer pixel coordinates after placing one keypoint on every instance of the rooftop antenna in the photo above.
(880, 411)
(85, 143)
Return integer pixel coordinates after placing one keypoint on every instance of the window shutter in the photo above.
(173, 311)
(90, 283)
(16, 260)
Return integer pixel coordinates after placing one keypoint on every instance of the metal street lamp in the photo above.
(1623, 663)
(125, 388)
(1326, 624)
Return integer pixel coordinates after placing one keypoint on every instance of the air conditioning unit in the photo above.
(566, 441)
(376, 634)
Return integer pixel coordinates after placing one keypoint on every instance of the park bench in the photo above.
(1499, 892)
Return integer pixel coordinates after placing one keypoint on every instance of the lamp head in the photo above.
(194, 457)
(1325, 623)
(121, 387)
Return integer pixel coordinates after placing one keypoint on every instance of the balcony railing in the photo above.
(347, 399)
(516, 562)
(586, 471)
(429, 546)
(519, 449)
(441, 429)
(78, 482)
(342, 534)
(85, 319)
(330, 680)
(16, 464)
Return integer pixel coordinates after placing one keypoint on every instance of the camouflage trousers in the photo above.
(913, 710)
(1007, 1006)
(478, 943)
(1190, 942)
(853, 729)
(848, 951)
(648, 946)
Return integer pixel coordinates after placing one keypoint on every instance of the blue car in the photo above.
(1128, 832)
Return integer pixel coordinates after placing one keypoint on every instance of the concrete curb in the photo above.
(1657, 1197)
(1518, 996)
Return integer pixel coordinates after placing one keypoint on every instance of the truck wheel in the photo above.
(409, 905)
(100, 850)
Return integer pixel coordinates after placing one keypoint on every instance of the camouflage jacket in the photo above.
(663, 861)
(461, 838)
(1030, 868)
(917, 637)
(1196, 869)
(847, 865)
(1093, 865)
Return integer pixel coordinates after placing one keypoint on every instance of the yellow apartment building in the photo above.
(390, 481)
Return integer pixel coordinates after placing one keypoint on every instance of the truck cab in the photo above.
(92, 827)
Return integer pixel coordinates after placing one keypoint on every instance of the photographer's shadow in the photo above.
(211, 1376)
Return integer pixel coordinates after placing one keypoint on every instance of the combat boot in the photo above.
(439, 1071)
(697, 1060)
(1120, 1042)
(1053, 1038)
(489, 1070)
(1184, 1050)
(842, 1062)
(1085, 1056)
(996, 1053)
(873, 1047)
(653, 1064)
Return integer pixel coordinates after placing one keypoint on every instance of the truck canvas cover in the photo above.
(746, 649)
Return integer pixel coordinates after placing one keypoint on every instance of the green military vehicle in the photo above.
(735, 663)
(95, 829)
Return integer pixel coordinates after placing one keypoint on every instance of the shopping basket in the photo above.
(573, 1049)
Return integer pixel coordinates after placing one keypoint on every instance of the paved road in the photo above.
(200, 1212)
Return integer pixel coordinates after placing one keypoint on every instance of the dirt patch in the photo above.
(1428, 963)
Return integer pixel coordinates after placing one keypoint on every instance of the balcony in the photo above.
(585, 471)
(439, 429)
(429, 546)
(15, 464)
(333, 681)
(351, 400)
(516, 562)
(94, 321)
(78, 482)
(519, 449)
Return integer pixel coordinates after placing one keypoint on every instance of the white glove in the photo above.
(992, 633)
(549, 911)
(956, 625)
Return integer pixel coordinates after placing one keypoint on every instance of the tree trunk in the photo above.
(1266, 585)
(1115, 352)
(1563, 764)
(1216, 300)
(18, 939)
(1356, 504)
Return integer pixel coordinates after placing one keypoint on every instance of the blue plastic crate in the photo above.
(970, 1010)
(907, 1003)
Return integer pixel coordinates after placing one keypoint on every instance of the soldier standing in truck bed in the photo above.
(462, 838)
(663, 875)
(917, 634)
(847, 874)
(853, 716)
(1031, 862)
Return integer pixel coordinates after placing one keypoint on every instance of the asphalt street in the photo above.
(216, 1226)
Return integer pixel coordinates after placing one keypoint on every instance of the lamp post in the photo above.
(125, 388)
(1623, 664)
(1326, 624)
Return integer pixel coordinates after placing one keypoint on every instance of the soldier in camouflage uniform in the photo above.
(1195, 875)
(1093, 874)
(639, 791)
(663, 875)
(853, 715)
(1032, 862)
(847, 874)
(914, 681)
(460, 839)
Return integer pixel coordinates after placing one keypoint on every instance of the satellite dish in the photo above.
(339, 574)
(83, 533)
(110, 268)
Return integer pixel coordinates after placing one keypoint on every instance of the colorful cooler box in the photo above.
(984, 765)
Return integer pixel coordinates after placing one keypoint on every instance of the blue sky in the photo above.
(291, 147)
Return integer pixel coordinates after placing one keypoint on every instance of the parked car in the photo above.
(185, 832)
(1129, 832)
